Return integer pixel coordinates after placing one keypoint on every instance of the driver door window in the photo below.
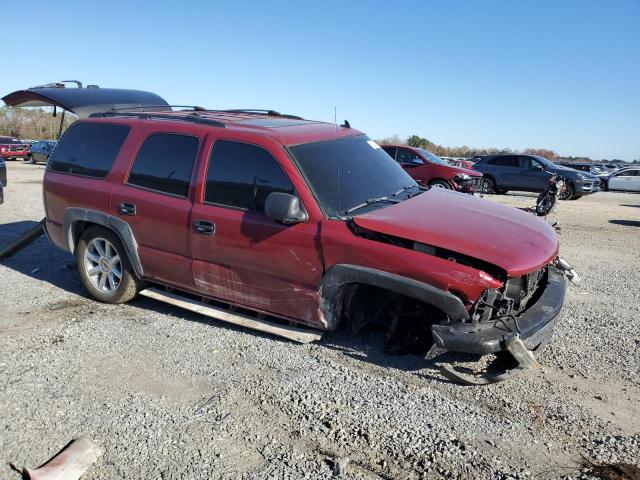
(407, 157)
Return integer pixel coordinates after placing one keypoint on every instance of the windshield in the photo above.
(432, 157)
(347, 172)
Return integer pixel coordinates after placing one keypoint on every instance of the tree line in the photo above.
(32, 123)
(40, 124)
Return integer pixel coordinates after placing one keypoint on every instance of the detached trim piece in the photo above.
(339, 276)
(301, 335)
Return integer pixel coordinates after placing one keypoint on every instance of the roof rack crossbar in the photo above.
(195, 108)
(150, 115)
(259, 111)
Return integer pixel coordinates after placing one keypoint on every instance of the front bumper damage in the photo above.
(519, 334)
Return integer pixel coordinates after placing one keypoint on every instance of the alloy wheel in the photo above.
(103, 265)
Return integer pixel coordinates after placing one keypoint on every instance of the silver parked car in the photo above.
(627, 179)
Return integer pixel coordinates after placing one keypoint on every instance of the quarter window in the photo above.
(165, 163)
(241, 175)
(89, 149)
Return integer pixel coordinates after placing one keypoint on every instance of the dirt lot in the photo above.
(169, 394)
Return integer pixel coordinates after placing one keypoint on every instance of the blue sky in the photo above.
(563, 75)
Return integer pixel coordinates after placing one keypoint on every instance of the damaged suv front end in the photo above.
(491, 271)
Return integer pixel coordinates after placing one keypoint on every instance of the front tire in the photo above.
(440, 184)
(567, 193)
(488, 185)
(104, 267)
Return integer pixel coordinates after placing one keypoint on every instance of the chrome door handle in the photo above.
(204, 227)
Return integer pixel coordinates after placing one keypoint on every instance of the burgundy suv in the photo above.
(292, 220)
(428, 169)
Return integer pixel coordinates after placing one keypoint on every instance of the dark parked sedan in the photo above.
(531, 173)
(3, 178)
(40, 151)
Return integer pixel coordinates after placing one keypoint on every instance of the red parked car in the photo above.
(286, 219)
(12, 148)
(430, 170)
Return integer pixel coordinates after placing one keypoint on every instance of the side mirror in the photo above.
(284, 208)
(537, 167)
(416, 162)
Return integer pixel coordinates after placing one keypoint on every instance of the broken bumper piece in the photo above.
(517, 335)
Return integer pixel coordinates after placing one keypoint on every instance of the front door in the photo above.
(242, 256)
(154, 201)
(533, 175)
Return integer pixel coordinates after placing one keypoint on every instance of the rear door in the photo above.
(155, 200)
(507, 171)
(239, 254)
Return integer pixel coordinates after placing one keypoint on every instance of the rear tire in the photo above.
(104, 266)
(440, 184)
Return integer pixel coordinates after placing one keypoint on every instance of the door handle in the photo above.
(126, 208)
(204, 227)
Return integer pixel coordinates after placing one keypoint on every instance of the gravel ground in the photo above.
(169, 394)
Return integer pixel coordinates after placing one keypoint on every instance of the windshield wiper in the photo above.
(404, 189)
(370, 202)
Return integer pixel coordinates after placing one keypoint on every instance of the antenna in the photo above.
(335, 122)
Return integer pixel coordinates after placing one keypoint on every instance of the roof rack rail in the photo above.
(258, 111)
(194, 118)
(194, 108)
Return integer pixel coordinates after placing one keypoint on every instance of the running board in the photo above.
(297, 334)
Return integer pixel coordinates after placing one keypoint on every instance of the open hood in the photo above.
(84, 101)
(509, 238)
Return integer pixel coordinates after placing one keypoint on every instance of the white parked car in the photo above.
(627, 179)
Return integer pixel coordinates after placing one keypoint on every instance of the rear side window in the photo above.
(89, 149)
(507, 161)
(241, 175)
(164, 163)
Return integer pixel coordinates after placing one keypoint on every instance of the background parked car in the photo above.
(586, 167)
(40, 151)
(627, 179)
(3, 178)
(531, 173)
(12, 148)
(430, 170)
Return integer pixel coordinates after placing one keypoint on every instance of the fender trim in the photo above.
(117, 225)
(341, 275)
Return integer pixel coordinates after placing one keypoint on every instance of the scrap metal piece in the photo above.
(480, 379)
(518, 351)
(23, 240)
(69, 464)
(568, 270)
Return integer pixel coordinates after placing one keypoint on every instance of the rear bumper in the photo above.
(534, 326)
